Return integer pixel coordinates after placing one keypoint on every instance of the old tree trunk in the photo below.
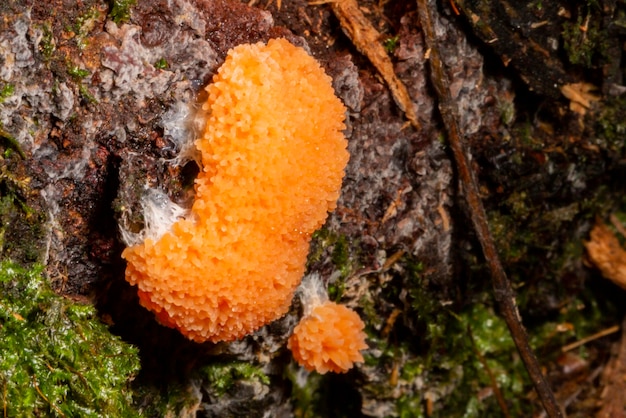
(90, 92)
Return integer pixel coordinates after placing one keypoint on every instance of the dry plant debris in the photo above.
(367, 40)
(502, 289)
(606, 253)
(580, 96)
(613, 381)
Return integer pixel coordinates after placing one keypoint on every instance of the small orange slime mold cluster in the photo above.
(329, 339)
(273, 158)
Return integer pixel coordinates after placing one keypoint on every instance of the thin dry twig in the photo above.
(583, 341)
(367, 40)
(52, 405)
(503, 292)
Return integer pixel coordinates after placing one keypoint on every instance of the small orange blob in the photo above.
(329, 339)
(273, 156)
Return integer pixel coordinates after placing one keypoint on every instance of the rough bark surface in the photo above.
(92, 99)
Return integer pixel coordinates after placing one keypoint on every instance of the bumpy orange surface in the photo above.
(273, 157)
(329, 339)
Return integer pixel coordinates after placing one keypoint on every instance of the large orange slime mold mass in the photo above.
(273, 157)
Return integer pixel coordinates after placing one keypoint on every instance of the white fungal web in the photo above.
(159, 213)
(182, 124)
(312, 292)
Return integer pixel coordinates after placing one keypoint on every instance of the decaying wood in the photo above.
(367, 40)
(503, 292)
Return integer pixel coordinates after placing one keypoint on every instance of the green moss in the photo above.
(120, 10)
(57, 358)
(84, 24)
(391, 44)
(222, 376)
(481, 339)
(490, 333)
(439, 352)
(517, 204)
(452, 368)
(86, 94)
(47, 45)
(335, 290)
(425, 305)
(507, 112)
(410, 407)
(523, 132)
(610, 128)
(583, 46)
(6, 91)
(372, 319)
(161, 64)
(76, 72)
(173, 400)
(477, 337)
(305, 393)
(320, 241)
(340, 254)
(329, 395)
(512, 237)
(340, 257)
(11, 142)
(338, 248)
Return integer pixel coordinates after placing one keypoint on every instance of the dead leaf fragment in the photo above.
(580, 96)
(606, 253)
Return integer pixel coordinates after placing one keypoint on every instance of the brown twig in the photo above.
(56, 408)
(503, 292)
(583, 341)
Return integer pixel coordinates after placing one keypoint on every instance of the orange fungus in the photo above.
(330, 338)
(273, 156)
